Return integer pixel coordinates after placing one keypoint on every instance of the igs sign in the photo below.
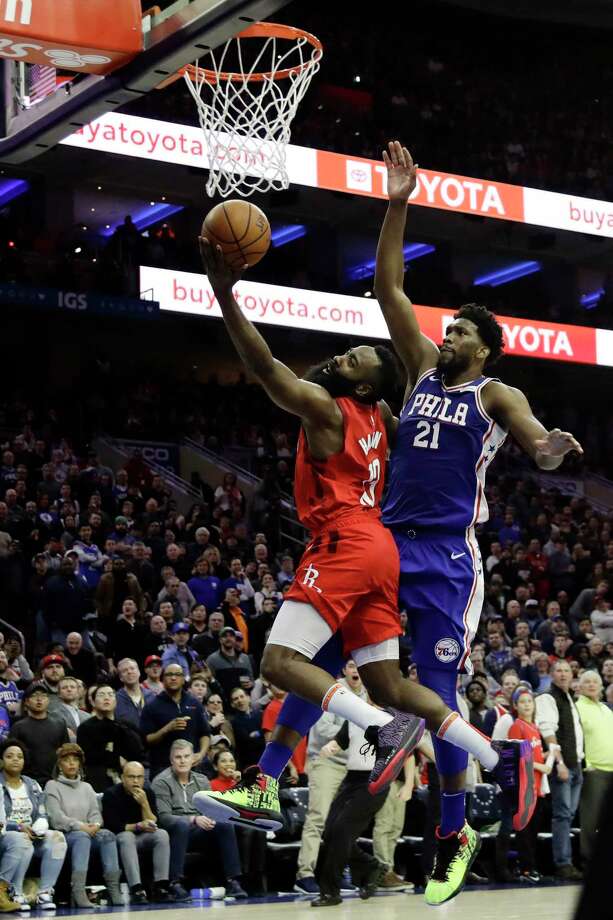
(76, 35)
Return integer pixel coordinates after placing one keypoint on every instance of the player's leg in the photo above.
(297, 716)
(298, 633)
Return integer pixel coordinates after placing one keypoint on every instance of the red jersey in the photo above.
(348, 481)
(529, 732)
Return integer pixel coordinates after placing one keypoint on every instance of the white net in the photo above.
(246, 113)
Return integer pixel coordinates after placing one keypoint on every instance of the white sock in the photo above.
(343, 702)
(469, 738)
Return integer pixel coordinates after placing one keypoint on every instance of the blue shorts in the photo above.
(441, 588)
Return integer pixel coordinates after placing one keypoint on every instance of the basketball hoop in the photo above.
(246, 113)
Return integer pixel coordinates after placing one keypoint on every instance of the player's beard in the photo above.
(451, 365)
(326, 375)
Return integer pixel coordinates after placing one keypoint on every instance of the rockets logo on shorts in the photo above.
(447, 650)
(310, 576)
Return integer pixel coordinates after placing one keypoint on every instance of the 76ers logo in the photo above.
(447, 649)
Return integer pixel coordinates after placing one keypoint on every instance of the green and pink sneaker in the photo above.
(253, 802)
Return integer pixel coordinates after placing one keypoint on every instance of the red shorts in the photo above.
(350, 576)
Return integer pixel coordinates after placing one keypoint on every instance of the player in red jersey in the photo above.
(348, 576)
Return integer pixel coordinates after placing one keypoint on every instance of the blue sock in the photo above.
(453, 812)
(274, 759)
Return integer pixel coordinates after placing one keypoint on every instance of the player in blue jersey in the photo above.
(453, 421)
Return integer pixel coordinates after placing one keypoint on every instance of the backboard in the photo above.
(172, 38)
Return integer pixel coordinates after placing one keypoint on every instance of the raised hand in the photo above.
(220, 274)
(401, 172)
(558, 443)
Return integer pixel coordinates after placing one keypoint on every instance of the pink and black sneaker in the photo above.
(514, 774)
(393, 744)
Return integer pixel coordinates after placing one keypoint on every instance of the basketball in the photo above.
(241, 229)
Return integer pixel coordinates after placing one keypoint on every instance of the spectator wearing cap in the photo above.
(233, 614)
(205, 586)
(178, 592)
(558, 721)
(52, 669)
(127, 636)
(113, 589)
(153, 671)
(228, 659)
(65, 601)
(81, 660)
(180, 652)
(131, 698)
(208, 642)
(106, 741)
(120, 534)
(173, 714)
(532, 613)
(597, 724)
(41, 734)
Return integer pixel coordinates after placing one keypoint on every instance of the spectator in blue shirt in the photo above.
(205, 587)
(510, 532)
(173, 714)
(179, 652)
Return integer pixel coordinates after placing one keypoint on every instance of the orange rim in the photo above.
(260, 30)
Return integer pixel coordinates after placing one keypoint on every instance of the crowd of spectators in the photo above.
(144, 629)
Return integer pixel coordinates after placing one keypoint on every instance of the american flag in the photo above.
(41, 82)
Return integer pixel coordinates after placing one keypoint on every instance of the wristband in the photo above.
(137, 827)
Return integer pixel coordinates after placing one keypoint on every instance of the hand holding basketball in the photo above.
(221, 275)
(242, 231)
(401, 172)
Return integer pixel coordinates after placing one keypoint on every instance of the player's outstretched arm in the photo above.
(309, 401)
(510, 407)
(417, 351)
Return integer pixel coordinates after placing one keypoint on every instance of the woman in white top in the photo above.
(24, 806)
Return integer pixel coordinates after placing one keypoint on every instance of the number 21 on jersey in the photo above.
(427, 435)
(370, 485)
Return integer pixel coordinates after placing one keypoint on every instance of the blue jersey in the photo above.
(444, 444)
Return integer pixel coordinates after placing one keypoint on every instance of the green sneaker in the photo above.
(253, 802)
(455, 855)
